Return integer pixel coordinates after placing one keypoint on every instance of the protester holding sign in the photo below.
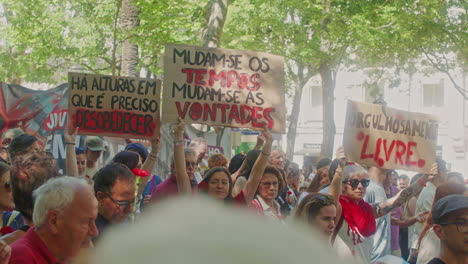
(217, 181)
(356, 222)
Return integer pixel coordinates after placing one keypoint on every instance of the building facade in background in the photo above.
(425, 91)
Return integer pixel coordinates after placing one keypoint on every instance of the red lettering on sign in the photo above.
(228, 114)
(181, 112)
(364, 147)
(401, 151)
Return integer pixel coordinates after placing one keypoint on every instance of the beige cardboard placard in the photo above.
(390, 138)
(223, 87)
(121, 107)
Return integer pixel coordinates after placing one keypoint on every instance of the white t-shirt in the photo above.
(430, 247)
(347, 248)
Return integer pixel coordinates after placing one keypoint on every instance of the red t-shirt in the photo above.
(239, 200)
(30, 249)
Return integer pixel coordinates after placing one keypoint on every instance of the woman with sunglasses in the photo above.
(317, 210)
(356, 218)
(217, 181)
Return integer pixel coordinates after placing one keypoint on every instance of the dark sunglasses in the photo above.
(355, 183)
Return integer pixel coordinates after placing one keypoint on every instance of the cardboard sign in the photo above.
(114, 106)
(223, 87)
(389, 138)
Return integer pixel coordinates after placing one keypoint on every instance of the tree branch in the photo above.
(438, 67)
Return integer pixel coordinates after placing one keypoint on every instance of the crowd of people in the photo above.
(362, 214)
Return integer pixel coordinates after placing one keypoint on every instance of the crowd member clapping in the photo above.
(64, 214)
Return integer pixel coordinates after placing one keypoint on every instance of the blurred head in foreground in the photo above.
(231, 236)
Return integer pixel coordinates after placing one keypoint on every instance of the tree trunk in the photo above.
(129, 21)
(299, 83)
(329, 129)
(216, 16)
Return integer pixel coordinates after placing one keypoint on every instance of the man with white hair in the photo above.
(64, 213)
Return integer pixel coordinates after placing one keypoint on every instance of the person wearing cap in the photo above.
(94, 148)
(450, 218)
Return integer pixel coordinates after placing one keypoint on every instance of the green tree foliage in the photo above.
(328, 34)
(43, 38)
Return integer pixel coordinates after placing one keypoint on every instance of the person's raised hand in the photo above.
(179, 127)
(434, 172)
(260, 140)
(70, 134)
(267, 135)
(340, 153)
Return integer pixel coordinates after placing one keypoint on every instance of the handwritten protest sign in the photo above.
(114, 106)
(223, 87)
(389, 138)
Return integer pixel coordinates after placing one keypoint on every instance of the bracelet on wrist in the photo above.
(69, 143)
(153, 156)
(178, 142)
(266, 154)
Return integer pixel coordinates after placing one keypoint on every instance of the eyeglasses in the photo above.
(121, 204)
(190, 164)
(268, 184)
(462, 227)
(355, 183)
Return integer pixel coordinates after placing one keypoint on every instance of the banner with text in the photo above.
(388, 138)
(223, 87)
(121, 107)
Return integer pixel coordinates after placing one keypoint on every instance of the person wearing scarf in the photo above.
(356, 218)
